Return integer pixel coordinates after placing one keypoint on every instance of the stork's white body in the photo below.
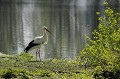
(37, 42)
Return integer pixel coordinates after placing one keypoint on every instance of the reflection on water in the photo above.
(68, 20)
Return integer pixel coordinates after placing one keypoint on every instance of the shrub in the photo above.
(103, 51)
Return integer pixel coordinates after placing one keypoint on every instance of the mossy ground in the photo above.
(24, 66)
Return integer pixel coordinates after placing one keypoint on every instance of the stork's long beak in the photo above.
(47, 30)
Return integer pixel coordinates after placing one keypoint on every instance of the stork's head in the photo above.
(45, 28)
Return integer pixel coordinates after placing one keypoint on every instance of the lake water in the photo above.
(68, 20)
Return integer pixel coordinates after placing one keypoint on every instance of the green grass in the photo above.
(24, 66)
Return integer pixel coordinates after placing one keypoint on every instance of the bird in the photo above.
(38, 41)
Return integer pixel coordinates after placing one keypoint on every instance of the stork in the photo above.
(38, 41)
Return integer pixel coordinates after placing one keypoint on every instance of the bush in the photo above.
(104, 49)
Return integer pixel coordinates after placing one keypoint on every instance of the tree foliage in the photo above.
(102, 53)
(104, 49)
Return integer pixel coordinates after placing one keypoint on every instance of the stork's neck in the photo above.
(44, 33)
(45, 36)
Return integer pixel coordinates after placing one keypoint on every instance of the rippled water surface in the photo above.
(68, 20)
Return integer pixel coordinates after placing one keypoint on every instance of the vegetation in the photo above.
(100, 59)
(24, 66)
(103, 52)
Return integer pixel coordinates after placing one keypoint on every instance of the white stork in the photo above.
(37, 42)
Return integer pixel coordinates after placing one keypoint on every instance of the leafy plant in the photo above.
(105, 47)
(103, 51)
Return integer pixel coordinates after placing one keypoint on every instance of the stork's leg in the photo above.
(39, 54)
(36, 53)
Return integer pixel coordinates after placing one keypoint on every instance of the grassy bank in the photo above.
(24, 66)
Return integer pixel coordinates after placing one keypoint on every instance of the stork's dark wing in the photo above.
(30, 45)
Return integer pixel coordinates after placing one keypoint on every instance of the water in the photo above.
(68, 20)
